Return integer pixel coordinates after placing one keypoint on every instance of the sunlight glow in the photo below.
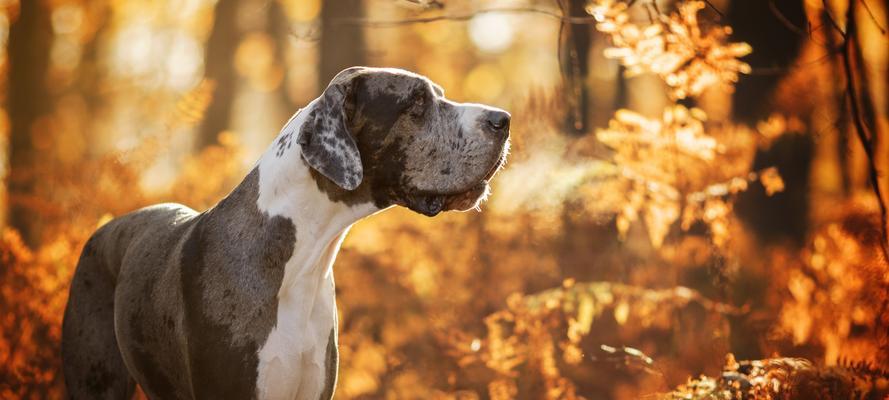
(302, 10)
(491, 33)
(484, 82)
(185, 61)
(657, 228)
(132, 50)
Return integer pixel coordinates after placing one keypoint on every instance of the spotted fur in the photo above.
(237, 302)
(325, 140)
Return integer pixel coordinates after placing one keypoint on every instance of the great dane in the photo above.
(237, 302)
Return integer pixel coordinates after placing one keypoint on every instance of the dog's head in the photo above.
(392, 135)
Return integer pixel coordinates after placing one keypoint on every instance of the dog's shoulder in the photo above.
(112, 240)
(147, 219)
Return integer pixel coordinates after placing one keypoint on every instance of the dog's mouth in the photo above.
(431, 204)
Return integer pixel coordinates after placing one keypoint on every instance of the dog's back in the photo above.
(238, 301)
(92, 362)
(178, 301)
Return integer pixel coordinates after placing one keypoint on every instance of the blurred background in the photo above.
(694, 205)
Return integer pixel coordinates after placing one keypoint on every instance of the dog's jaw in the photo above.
(431, 204)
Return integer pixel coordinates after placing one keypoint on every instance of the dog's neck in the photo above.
(288, 188)
(306, 313)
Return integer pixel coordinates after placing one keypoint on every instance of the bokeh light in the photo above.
(715, 203)
(491, 32)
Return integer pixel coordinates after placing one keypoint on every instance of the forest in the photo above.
(694, 205)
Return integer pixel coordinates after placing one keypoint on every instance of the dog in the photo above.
(237, 302)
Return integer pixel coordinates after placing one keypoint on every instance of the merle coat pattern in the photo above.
(237, 302)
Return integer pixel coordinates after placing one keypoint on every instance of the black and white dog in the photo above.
(237, 302)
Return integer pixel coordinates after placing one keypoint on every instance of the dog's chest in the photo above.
(293, 363)
(299, 360)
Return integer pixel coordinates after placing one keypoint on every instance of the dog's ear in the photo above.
(327, 144)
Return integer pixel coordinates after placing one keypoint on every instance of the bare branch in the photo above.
(831, 19)
(709, 4)
(783, 19)
(861, 127)
(651, 16)
(656, 7)
(468, 16)
(426, 4)
(780, 70)
(873, 17)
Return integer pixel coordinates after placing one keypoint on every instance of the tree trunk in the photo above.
(574, 51)
(342, 45)
(278, 27)
(784, 216)
(30, 37)
(220, 68)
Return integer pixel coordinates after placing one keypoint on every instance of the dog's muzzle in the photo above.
(496, 123)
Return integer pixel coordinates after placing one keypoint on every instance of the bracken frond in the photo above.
(675, 47)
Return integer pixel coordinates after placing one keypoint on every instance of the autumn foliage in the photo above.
(618, 264)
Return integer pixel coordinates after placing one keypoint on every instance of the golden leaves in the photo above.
(35, 282)
(192, 106)
(668, 169)
(405, 285)
(771, 181)
(650, 154)
(502, 389)
(781, 378)
(647, 151)
(368, 361)
(674, 47)
(839, 286)
(529, 332)
(32, 300)
(776, 125)
(680, 130)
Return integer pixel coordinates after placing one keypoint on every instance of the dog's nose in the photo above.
(498, 120)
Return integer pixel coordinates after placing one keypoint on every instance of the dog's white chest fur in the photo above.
(292, 360)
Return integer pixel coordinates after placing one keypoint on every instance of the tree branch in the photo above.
(468, 16)
(709, 4)
(783, 19)
(861, 128)
(801, 64)
(830, 18)
(873, 17)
